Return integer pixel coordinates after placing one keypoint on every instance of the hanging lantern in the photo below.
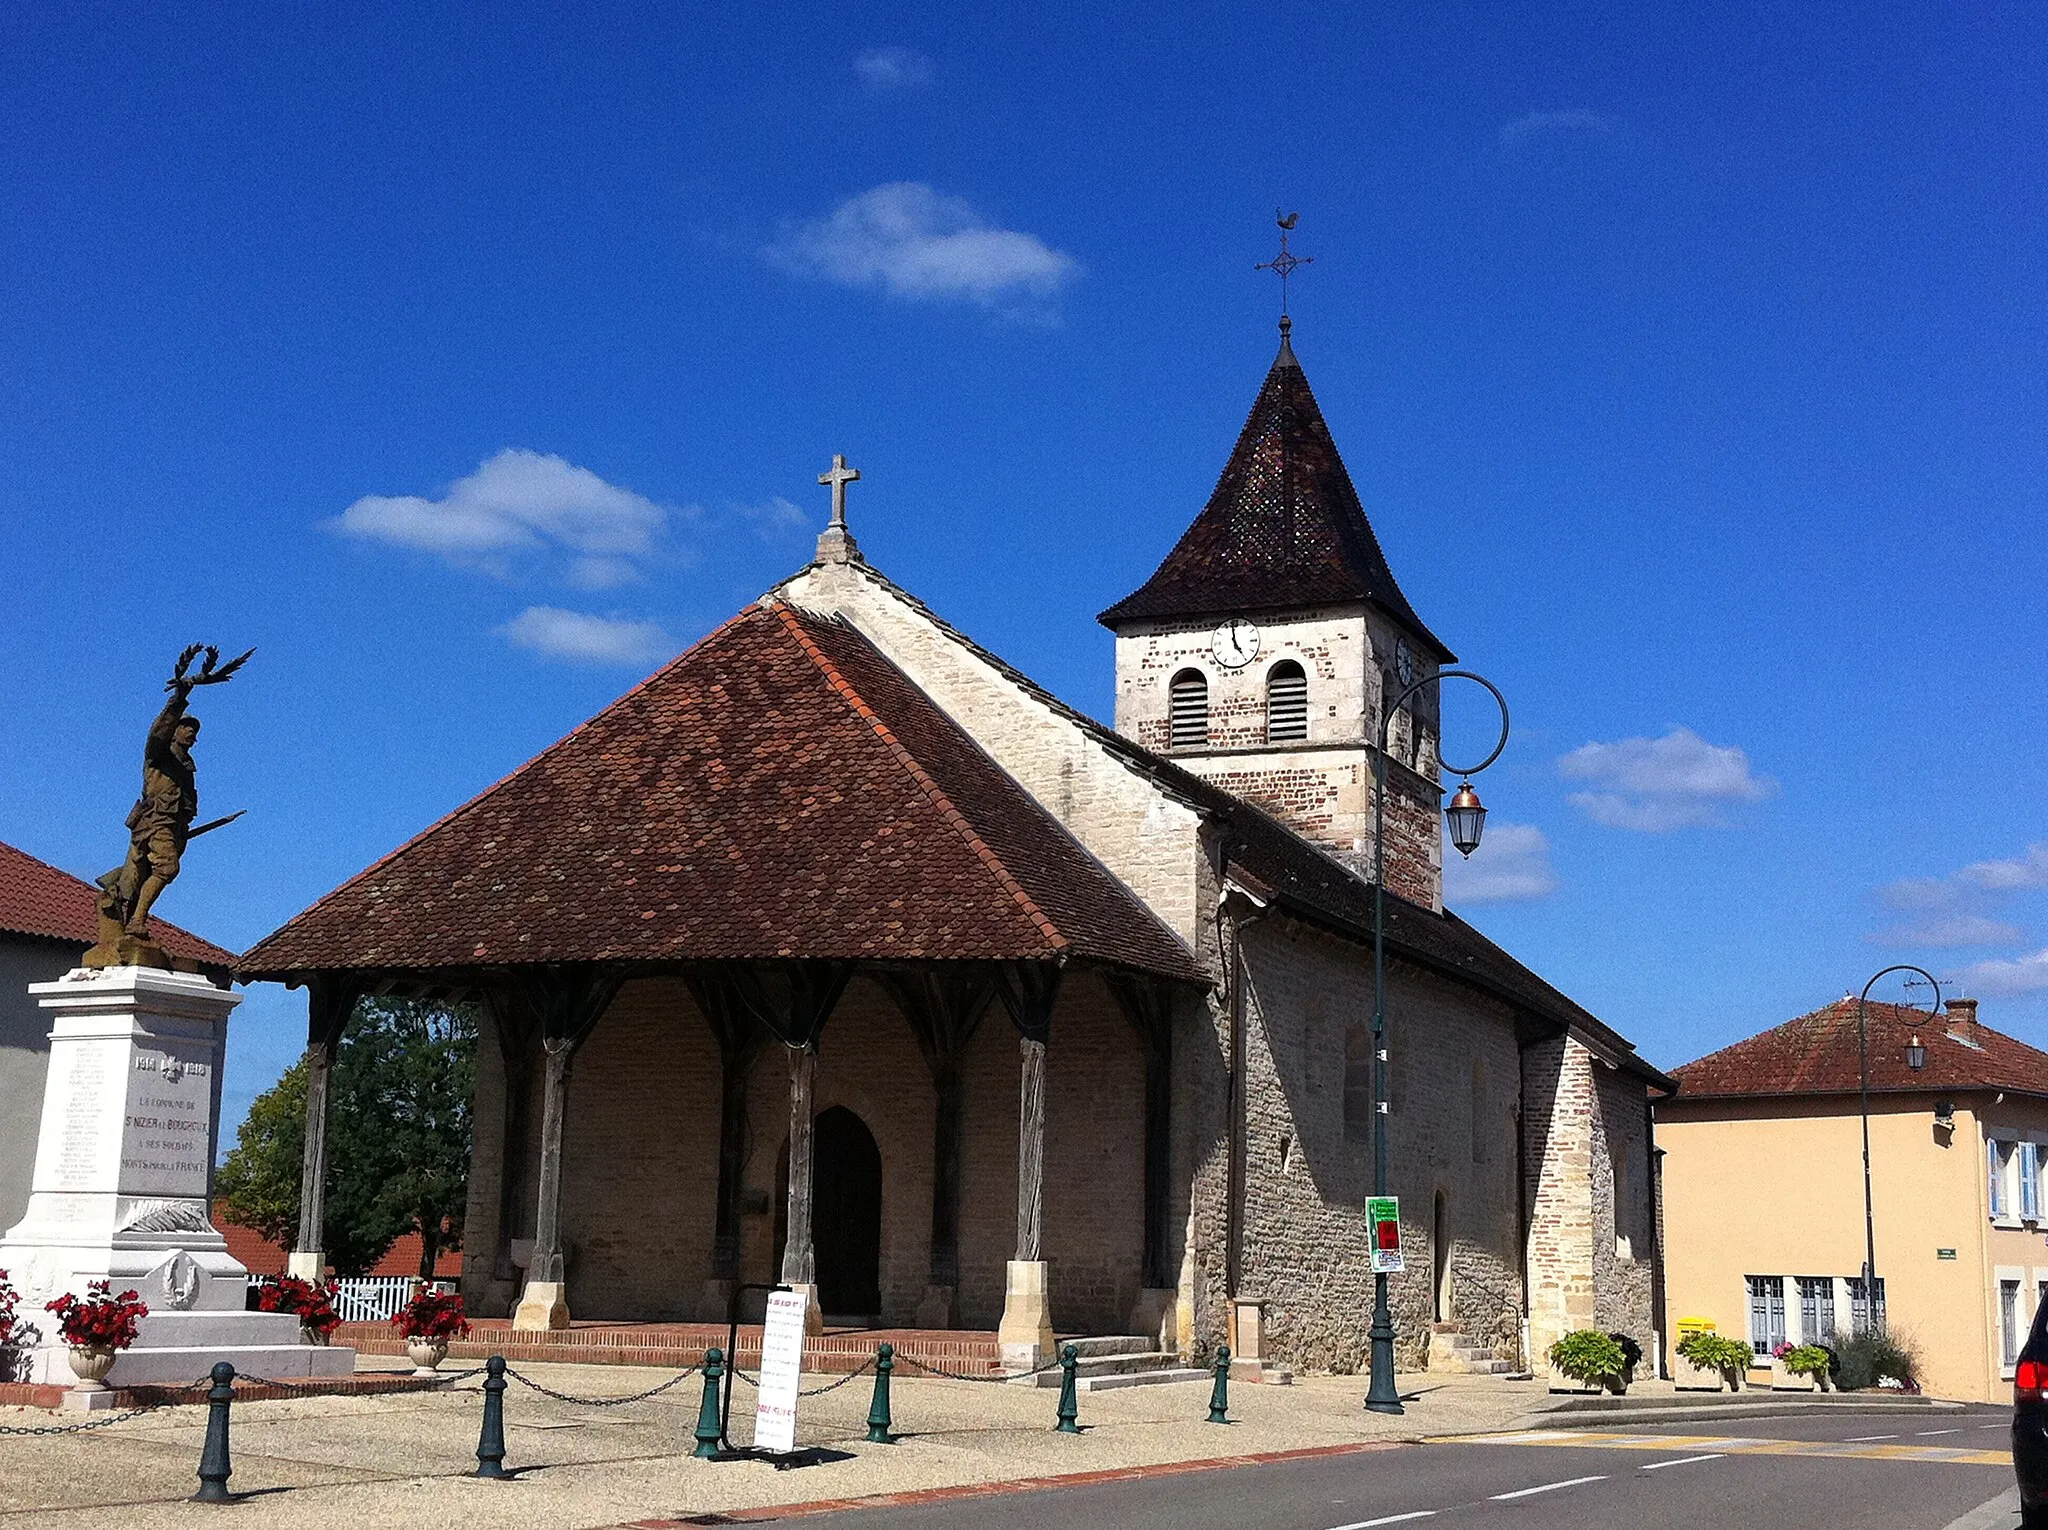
(1916, 1055)
(1467, 819)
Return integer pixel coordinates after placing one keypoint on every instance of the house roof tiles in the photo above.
(779, 790)
(38, 899)
(1817, 1054)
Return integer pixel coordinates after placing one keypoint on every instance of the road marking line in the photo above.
(1924, 1433)
(1548, 1487)
(1865, 1439)
(1683, 1461)
(1389, 1519)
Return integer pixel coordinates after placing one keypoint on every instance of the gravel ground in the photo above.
(370, 1462)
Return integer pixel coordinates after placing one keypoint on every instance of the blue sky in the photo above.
(466, 360)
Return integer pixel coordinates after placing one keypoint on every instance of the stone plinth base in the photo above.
(1154, 1316)
(543, 1306)
(814, 1315)
(174, 1348)
(1025, 1334)
(935, 1307)
(307, 1266)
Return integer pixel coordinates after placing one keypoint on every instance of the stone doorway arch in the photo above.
(846, 1215)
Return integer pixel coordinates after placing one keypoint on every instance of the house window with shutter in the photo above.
(2030, 1182)
(1188, 710)
(1286, 703)
(1766, 1312)
(1997, 1158)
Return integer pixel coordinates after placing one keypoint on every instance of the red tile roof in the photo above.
(261, 1257)
(780, 789)
(38, 899)
(1283, 528)
(1816, 1054)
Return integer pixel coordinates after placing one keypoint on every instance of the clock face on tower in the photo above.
(1235, 643)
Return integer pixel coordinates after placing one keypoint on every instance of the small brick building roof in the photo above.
(780, 790)
(1283, 529)
(1816, 1054)
(38, 899)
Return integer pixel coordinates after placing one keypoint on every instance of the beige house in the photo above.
(1763, 1187)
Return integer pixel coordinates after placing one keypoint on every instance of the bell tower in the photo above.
(1261, 652)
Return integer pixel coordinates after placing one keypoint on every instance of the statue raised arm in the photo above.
(160, 823)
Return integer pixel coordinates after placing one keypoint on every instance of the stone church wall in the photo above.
(1624, 1267)
(1308, 1170)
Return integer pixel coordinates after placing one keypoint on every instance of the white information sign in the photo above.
(782, 1363)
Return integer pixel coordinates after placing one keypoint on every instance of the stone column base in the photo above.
(543, 1305)
(307, 1265)
(1025, 1335)
(1154, 1316)
(814, 1315)
(935, 1308)
(717, 1299)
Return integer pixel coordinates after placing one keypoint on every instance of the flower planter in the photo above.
(1560, 1382)
(426, 1355)
(1783, 1380)
(1688, 1377)
(90, 1366)
(319, 1336)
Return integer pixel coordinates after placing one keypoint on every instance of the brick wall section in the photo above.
(1558, 1120)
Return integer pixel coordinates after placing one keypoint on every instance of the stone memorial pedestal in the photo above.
(120, 1187)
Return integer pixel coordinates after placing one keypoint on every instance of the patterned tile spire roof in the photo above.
(1284, 527)
(38, 899)
(780, 790)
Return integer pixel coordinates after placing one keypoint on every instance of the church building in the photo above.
(838, 952)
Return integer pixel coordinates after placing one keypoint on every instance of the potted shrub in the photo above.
(312, 1305)
(429, 1321)
(1876, 1359)
(1799, 1368)
(15, 1335)
(1586, 1361)
(1707, 1362)
(1631, 1357)
(96, 1330)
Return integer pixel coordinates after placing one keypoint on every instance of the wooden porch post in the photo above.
(739, 1037)
(1148, 1005)
(330, 1000)
(1029, 990)
(799, 1257)
(943, 1008)
(570, 998)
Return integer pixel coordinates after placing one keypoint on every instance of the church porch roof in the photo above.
(780, 790)
(1283, 529)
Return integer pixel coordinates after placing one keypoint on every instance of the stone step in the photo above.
(1098, 1367)
(1139, 1379)
(1113, 1344)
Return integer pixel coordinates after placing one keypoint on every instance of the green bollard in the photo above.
(1070, 1407)
(490, 1440)
(214, 1467)
(707, 1416)
(878, 1410)
(1219, 1395)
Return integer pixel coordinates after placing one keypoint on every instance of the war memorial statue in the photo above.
(160, 823)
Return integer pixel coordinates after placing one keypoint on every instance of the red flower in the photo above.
(313, 1305)
(432, 1315)
(100, 1321)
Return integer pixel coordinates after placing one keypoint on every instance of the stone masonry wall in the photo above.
(1623, 1268)
(1306, 1254)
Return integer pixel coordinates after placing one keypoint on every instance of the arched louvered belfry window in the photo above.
(1188, 710)
(1286, 703)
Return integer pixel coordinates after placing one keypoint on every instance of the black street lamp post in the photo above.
(1863, 1086)
(1466, 819)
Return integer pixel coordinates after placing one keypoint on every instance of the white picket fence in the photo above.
(371, 1298)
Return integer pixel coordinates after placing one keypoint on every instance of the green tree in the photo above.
(398, 1139)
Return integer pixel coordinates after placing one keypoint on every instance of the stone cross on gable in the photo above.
(840, 476)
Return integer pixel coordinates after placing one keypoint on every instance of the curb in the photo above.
(1685, 1411)
(770, 1512)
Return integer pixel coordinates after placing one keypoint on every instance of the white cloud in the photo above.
(1575, 123)
(909, 241)
(520, 504)
(892, 68)
(1511, 865)
(2020, 975)
(1653, 785)
(775, 518)
(582, 639)
(1956, 910)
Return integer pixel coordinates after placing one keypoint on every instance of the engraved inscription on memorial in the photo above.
(169, 1124)
(78, 1148)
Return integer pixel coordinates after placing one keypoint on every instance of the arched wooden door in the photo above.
(846, 1215)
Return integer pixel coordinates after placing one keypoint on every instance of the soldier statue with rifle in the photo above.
(160, 823)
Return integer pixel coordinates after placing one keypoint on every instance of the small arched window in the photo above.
(1188, 710)
(1286, 703)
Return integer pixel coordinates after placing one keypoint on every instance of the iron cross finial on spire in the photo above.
(1285, 262)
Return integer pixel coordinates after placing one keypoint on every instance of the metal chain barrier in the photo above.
(830, 1386)
(937, 1370)
(316, 1389)
(600, 1402)
(21, 1431)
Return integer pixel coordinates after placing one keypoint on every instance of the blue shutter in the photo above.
(1759, 1317)
(2030, 1187)
(1994, 1157)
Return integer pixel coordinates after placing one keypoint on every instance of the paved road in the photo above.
(1788, 1473)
